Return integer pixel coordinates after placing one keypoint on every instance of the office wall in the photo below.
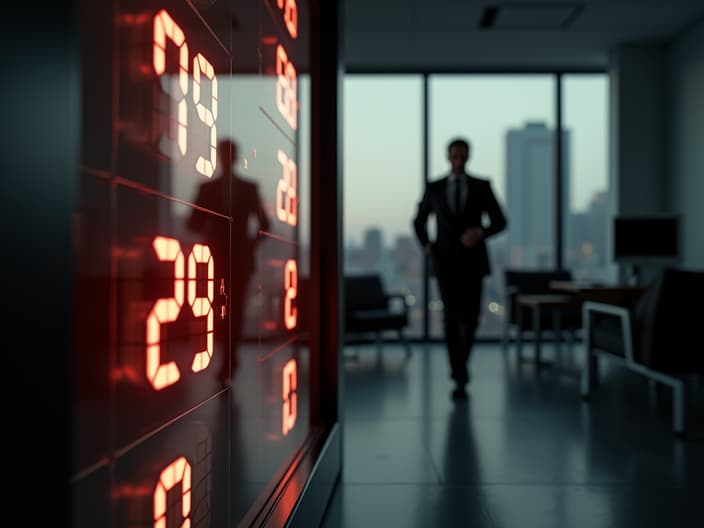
(637, 149)
(684, 182)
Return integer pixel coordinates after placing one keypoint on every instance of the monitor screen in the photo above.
(645, 238)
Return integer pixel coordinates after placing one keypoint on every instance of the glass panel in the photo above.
(383, 175)
(588, 208)
(192, 355)
(509, 122)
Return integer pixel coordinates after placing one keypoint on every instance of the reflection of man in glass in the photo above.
(227, 191)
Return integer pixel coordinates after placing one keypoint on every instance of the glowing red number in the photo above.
(178, 471)
(201, 66)
(165, 27)
(291, 287)
(166, 310)
(290, 16)
(202, 306)
(286, 198)
(286, 96)
(289, 407)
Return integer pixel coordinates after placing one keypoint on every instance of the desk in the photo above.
(619, 294)
(556, 303)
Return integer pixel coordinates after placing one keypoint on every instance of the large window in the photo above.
(509, 121)
(383, 180)
(587, 211)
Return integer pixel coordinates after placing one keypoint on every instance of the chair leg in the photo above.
(678, 407)
(587, 371)
(504, 336)
(590, 371)
(557, 338)
(519, 345)
(403, 340)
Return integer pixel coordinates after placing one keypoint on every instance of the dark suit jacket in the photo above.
(447, 247)
(244, 203)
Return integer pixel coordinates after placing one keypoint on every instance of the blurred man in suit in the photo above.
(462, 204)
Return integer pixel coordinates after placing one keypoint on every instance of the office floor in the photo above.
(523, 451)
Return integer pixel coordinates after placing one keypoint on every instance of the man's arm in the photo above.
(497, 219)
(420, 221)
(262, 217)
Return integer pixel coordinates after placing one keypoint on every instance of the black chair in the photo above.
(659, 336)
(518, 320)
(370, 309)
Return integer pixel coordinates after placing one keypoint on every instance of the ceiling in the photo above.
(519, 35)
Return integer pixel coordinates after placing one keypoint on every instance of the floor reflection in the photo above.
(524, 450)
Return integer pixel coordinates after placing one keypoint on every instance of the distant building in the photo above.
(530, 188)
(586, 249)
(373, 240)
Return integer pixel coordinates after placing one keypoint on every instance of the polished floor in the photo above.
(522, 451)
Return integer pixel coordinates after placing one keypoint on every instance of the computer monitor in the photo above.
(641, 240)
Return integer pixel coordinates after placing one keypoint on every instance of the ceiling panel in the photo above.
(528, 34)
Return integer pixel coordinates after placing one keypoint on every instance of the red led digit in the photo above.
(289, 407)
(292, 95)
(286, 87)
(290, 16)
(291, 195)
(201, 67)
(286, 197)
(202, 306)
(164, 310)
(291, 287)
(178, 471)
(165, 27)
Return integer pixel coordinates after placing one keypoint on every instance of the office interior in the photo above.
(414, 457)
(555, 444)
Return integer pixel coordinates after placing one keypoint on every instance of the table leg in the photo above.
(519, 334)
(536, 333)
(556, 320)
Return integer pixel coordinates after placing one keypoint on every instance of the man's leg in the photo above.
(452, 319)
(455, 349)
(472, 296)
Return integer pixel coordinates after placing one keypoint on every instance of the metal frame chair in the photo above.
(657, 338)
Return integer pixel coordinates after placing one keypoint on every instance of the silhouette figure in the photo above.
(227, 191)
(460, 203)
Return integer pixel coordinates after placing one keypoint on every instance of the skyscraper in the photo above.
(530, 190)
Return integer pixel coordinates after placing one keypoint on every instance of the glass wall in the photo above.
(509, 121)
(383, 180)
(587, 211)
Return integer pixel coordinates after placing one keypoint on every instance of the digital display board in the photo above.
(192, 363)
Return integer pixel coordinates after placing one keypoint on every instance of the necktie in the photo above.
(457, 204)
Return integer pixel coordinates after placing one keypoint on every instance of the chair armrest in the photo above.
(620, 312)
(605, 308)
